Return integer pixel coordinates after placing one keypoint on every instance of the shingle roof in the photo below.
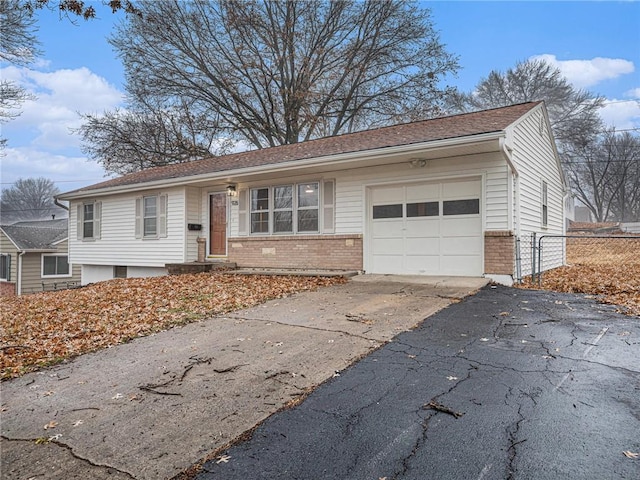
(37, 235)
(463, 125)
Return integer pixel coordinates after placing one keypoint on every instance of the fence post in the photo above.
(518, 261)
(533, 256)
(540, 261)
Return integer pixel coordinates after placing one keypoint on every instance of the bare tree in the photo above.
(125, 141)
(270, 73)
(18, 47)
(78, 8)
(606, 176)
(574, 114)
(29, 199)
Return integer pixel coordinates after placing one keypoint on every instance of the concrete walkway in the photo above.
(151, 408)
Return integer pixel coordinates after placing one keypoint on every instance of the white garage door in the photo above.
(426, 228)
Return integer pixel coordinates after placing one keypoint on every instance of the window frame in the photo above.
(5, 271)
(544, 204)
(294, 209)
(86, 222)
(146, 217)
(55, 275)
(95, 222)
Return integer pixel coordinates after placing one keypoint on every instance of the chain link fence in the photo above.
(537, 253)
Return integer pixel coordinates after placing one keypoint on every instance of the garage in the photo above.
(427, 228)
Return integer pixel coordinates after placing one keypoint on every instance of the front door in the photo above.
(218, 224)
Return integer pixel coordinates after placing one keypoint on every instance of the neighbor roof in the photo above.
(463, 125)
(37, 235)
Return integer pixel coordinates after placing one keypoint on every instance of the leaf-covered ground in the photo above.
(45, 328)
(606, 268)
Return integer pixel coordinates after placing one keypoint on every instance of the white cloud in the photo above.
(586, 73)
(633, 93)
(623, 114)
(68, 172)
(61, 96)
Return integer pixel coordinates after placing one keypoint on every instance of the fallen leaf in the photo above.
(51, 424)
(504, 314)
(629, 454)
(450, 378)
(77, 423)
(48, 394)
(54, 437)
(117, 396)
(223, 459)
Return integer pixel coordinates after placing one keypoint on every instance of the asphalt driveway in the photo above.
(153, 407)
(507, 384)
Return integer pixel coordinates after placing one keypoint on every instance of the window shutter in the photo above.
(139, 217)
(97, 219)
(162, 216)
(243, 205)
(79, 221)
(8, 267)
(328, 204)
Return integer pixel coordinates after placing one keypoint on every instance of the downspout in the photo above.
(19, 274)
(516, 186)
(57, 202)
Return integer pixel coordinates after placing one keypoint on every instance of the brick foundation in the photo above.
(7, 289)
(326, 252)
(499, 252)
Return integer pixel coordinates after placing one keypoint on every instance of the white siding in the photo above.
(118, 245)
(193, 214)
(350, 187)
(535, 160)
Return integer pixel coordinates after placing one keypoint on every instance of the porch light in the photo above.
(231, 191)
(309, 189)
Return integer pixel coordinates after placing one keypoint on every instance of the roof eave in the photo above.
(294, 164)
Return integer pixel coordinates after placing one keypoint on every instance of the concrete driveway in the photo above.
(151, 408)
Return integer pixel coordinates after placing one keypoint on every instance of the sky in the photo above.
(596, 45)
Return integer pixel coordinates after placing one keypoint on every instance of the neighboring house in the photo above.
(447, 196)
(34, 256)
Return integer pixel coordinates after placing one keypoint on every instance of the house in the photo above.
(446, 196)
(34, 256)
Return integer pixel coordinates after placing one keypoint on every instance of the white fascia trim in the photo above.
(292, 165)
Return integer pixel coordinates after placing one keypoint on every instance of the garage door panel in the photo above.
(462, 189)
(423, 192)
(422, 246)
(387, 195)
(463, 246)
(422, 228)
(421, 264)
(390, 264)
(461, 226)
(387, 228)
(461, 265)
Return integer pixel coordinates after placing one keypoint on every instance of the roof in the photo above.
(37, 235)
(442, 128)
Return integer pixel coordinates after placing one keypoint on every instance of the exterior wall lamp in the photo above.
(231, 191)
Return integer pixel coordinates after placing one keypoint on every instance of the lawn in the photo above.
(46, 328)
(608, 268)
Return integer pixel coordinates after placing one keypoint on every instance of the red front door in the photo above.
(218, 224)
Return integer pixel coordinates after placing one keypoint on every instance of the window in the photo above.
(545, 206)
(87, 231)
(88, 220)
(423, 209)
(5, 267)
(387, 211)
(461, 207)
(119, 271)
(55, 266)
(283, 209)
(287, 208)
(260, 210)
(151, 216)
(308, 196)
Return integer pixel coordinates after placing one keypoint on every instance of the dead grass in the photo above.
(606, 268)
(46, 328)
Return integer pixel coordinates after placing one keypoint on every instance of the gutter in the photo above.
(19, 273)
(332, 160)
(55, 201)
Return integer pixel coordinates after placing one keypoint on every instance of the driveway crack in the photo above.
(73, 454)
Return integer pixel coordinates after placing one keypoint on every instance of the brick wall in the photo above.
(7, 289)
(330, 252)
(499, 252)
